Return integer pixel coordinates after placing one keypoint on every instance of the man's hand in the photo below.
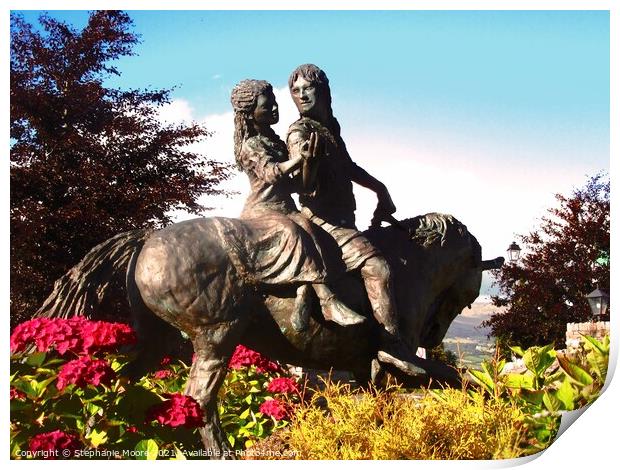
(385, 205)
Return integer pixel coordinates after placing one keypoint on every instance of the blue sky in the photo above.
(484, 115)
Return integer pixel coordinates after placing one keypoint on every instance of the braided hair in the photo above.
(244, 98)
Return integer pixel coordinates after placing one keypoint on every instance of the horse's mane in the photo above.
(434, 228)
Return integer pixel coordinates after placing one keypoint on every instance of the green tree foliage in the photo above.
(547, 287)
(88, 161)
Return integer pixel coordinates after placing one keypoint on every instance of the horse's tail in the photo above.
(82, 289)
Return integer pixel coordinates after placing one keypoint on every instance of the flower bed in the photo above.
(70, 399)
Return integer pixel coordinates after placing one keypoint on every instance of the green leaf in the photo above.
(26, 385)
(551, 402)
(97, 437)
(231, 440)
(40, 387)
(67, 405)
(519, 381)
(93, 409)
(134, 403)
(574, 371)
(531, 359)
(36, 359)
(538, 360)
(598, 364)
(567, 395)
(245, 414)
(146, 449)
(603, 348)
(533, 397)
(483, 379)
(517, 350)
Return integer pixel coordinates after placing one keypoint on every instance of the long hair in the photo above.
(243, 99)
(317, 77)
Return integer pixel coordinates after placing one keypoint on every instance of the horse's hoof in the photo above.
(404, 366)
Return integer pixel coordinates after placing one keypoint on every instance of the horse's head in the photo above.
(439, 275)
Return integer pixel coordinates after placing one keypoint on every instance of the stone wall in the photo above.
(575, 331)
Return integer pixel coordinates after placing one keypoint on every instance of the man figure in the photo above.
(329, 202)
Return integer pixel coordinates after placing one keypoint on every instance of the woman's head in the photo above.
(254, 106)
(245, 95)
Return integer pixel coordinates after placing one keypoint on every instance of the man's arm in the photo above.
(363, 178)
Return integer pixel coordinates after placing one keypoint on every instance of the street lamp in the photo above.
(599, 301)
(514, 251)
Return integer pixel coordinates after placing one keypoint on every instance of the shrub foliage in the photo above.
(87, 161)
(547, 287)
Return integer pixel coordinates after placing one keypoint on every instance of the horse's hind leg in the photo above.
(213, 347)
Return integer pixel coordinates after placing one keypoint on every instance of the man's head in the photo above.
(309, 89)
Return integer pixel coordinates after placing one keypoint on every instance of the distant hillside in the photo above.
(467, 338)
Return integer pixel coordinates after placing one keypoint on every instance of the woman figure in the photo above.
(285, 249)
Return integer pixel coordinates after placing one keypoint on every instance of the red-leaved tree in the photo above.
(547, 287)
(87, 161)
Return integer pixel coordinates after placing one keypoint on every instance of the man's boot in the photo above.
(333, 309)
(301, 311)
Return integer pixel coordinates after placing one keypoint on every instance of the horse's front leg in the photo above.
(213, 347)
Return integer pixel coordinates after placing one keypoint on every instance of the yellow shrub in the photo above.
(451, 424)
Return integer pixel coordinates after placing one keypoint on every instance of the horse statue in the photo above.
(185, 274)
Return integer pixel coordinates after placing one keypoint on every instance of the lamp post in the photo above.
(514, 251)
(599, 301)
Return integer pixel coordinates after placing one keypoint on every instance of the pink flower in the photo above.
(178, 410)
(246, 357)
(165, 361)
(84, 371)
(77, 335)
(50, 445)
(17, 394)
(283, 385)
(275, 408)
(162, 374)
(131, 429)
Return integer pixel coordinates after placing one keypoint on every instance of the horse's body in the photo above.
(186, 275)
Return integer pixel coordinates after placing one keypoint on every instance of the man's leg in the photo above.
(377, 279)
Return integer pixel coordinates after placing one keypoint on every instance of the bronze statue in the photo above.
(329, 202)
(208, 277)
(285, 248)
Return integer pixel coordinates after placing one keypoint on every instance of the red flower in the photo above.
(165, 361)
(245, 357)
(52, 445)
(131, 429)
(275, 408)
(178, 410)
(76, 334)
(84, 371)
(17, 394)
(162, 374)
(283, 385)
